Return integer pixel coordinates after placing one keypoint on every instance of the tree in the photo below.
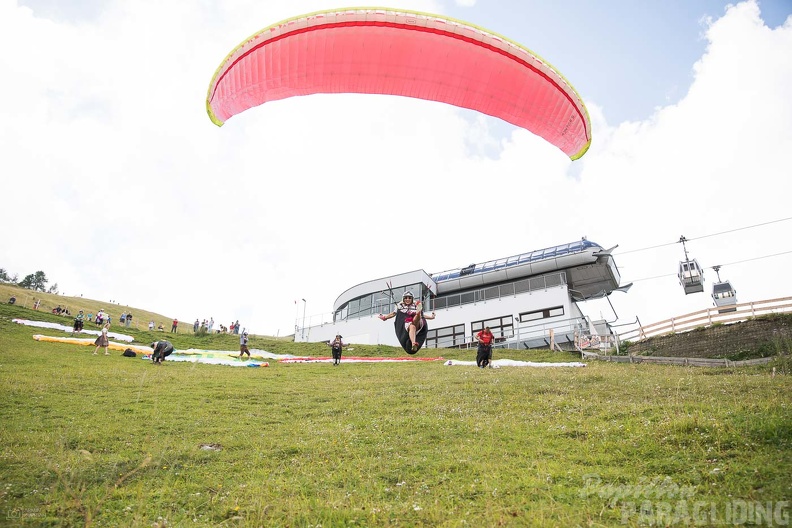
(53, 288)
(4, 275)
(35, 281)
(40, 281)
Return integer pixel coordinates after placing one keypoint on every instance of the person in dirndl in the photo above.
(102, 340)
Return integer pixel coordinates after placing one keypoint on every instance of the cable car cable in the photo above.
(740, 229)
(755, 258)
(703, 236)
(711, 267)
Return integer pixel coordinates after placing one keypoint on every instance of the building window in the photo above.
(506, 289)
(541, 314)
(446, 337)
(381, 304)
(378, 302)
(501, 327)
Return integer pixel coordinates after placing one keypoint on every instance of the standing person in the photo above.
(151, 325)
(78, 322)
(161, 350)
(129, 320)
(210, 325)
(123, 317)
(175, 325)
(337, 345)
(484, 352)
(102, 340)
(411, 327)
(243, 342)
(195, 326)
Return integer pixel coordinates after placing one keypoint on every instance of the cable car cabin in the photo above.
(691, 277)
(725, 297)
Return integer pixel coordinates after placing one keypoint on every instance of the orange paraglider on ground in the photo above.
(405, 53)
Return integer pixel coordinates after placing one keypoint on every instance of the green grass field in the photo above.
(113, 441)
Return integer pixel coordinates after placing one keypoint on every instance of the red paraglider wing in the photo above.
(379, 51)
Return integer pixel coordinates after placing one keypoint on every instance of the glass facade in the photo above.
(545, 313)
(501, 327)
(446, 337)
(507, 289)
(533, 256)
(379, 302)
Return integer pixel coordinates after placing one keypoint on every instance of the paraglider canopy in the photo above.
(405, 53)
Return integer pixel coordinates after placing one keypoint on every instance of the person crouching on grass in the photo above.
(161, 349)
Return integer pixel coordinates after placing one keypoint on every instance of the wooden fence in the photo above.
(708, 317)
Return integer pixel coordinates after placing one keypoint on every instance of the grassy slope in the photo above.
(140, 318)
(112, 441)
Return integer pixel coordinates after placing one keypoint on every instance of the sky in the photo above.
(117, 185)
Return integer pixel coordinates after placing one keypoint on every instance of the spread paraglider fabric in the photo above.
(498, 363)
(56, 326)
(224, 357)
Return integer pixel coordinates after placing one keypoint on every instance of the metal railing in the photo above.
(708, 317)
(525, 335)
(533, 333)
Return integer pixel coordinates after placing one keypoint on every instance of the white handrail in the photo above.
(708, 317)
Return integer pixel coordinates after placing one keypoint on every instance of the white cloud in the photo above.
(712, 163)
(122, 189)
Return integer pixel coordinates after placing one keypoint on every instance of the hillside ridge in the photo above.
(49, 301)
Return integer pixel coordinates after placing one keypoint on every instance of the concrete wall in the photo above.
(768, 335)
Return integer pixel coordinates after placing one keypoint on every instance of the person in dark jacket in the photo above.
(337, 345)
(484, 352)
(161, 350)
(243, 345)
